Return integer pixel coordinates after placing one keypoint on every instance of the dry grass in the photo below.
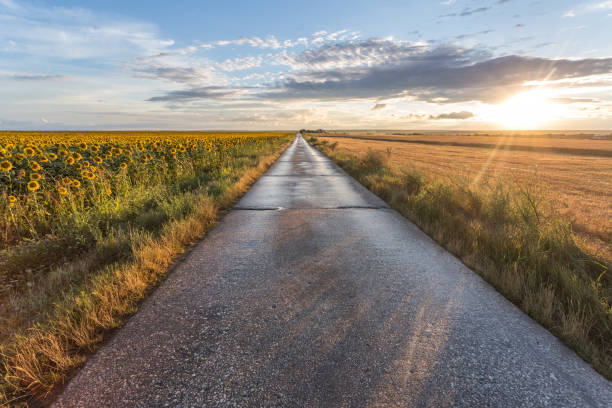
(40, 359)
(505, 231)
(577, 186)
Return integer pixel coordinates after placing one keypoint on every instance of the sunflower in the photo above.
(6, 165)
(66, 181)
(62, 190)
(19, 156)
(35, 176)
(33, 185)
(86, 164)
(43, 159)
(77, 156)
(95, 148)
(70, 160)
(78, 166)
(83, 146)
(98, 160)
(109, 191)
(52, 156)
(35, 166)
(29, 151)
(123, 166)
(88, 175)
(12, 199)
(76, 183)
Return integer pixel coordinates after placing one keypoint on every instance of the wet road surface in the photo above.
(311, 292)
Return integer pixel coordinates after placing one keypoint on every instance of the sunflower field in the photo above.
(74, 206)
(60, 193)
(44, 175)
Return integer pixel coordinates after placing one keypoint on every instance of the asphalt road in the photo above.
(311, 292)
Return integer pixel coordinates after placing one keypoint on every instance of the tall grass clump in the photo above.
(511, 238)
(82, 249)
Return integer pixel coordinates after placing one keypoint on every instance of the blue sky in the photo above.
(462, 64)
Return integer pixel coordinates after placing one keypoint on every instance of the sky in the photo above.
(233, 65)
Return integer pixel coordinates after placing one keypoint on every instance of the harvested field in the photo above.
(576, 183)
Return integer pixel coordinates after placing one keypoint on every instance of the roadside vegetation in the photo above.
(511, 236)
(90, 223)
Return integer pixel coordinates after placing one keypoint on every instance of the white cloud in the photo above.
(603, 5)
(350, 54)
(238, 64)
(255, 42)
(271, 42)
(589, 8)
(73, 33)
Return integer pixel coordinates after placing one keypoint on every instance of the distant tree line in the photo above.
(312, 131)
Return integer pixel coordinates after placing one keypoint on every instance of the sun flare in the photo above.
(526, 110)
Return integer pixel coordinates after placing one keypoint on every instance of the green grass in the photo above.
(511, 238)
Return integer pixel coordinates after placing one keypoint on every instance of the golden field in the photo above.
(573, 172)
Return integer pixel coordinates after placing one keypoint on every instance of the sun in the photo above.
(526, 110)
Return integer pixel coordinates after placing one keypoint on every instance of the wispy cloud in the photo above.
(183, 75)
(210, 92)
(467, 11)
(567, 100)
(271, 42)
(73, 33)
(588, 8)
(370, 52)
(239, 64)
(602, 5)
(26, 77)
(453, 116)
